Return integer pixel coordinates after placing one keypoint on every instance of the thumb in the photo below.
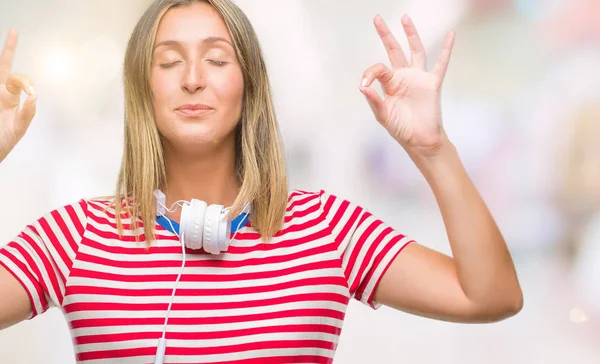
(375, 102)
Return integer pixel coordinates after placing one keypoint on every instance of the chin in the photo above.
(193, 134)
(197, 139)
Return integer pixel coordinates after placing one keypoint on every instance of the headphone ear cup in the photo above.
(224, 232)
(192, 223)
(212, 227)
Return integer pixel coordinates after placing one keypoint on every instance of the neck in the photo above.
(209, 177)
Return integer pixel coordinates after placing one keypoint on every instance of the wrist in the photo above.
(440, 153)
(441, 166)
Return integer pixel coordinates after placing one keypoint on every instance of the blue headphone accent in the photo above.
(240, 221)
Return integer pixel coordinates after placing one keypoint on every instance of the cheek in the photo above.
(162, 87)
(162, 95)
(230, 89)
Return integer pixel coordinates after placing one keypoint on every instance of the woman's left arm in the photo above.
(479, 284)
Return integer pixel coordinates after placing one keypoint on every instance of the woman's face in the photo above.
(197, 82)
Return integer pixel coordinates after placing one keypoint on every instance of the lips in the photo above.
(194, 110)
(194, 107)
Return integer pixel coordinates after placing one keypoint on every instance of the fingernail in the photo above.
(31, 90)
(364, 82)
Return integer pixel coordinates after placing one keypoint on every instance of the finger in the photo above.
(376, 103)
(419, 59)
(377, 72)
(25, 115)
(18, 82)
(394, 51)
(8, 54)
(441, 65)
(11, 95)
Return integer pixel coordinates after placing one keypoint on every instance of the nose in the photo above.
(194, 78)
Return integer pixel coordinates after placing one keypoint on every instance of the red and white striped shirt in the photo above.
(281, 302)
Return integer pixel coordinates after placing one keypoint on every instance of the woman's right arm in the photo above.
(15, 305)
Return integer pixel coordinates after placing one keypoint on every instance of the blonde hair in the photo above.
(260, 165)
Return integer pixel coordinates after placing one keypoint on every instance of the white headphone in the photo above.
(202, 226)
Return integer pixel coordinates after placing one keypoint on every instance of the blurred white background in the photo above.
(521, 102)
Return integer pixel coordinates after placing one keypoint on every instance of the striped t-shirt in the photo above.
(277, 302)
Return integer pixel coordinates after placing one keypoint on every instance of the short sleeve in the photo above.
(42, 255)
(367, 246)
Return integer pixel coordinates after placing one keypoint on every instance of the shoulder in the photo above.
(101, 205)
(301, 199)
(86, 206)
(93, 211)
(327, 203)
(105, 208)
(63, 225)
(294, 196)
(75, 212)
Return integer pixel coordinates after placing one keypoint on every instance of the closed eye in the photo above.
(169, 65)
(217, 63)
(172, 64)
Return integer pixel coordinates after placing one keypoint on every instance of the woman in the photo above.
(200, 128)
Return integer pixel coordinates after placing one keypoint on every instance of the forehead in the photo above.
(191, 24)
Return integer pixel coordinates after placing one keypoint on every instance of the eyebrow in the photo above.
(208, 40)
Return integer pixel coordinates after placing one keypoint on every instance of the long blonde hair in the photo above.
(260, 165)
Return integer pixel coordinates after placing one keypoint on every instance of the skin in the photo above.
(14, 305)
(477, 284)
(194, 62)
